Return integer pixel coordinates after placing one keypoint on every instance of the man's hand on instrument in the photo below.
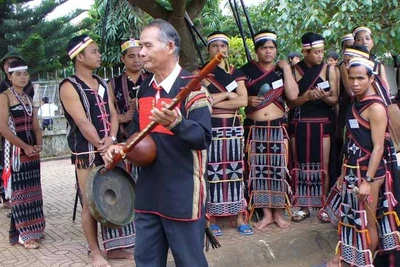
(112, 150)
(165, 117)
(107, 142)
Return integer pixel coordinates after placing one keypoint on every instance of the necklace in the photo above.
(130, 79)
(23, 98)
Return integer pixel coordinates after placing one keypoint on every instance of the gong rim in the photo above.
(95, 207)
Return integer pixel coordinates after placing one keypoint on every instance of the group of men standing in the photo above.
(211, 162)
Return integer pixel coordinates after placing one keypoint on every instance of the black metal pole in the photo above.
(189, 20)
(247, 19)
(236, 16)
(194, 41)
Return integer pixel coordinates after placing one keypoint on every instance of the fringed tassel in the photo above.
(368, 237)
(396, 217)
(81, 162)
(211, 239)
(337, 249)
(16, 160)
(375, 254)
(6, 177)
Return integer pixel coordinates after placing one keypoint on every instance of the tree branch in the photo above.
(178, 9)
(195, 7)
(151, 8)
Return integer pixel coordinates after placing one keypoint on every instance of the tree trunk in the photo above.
(188, 57)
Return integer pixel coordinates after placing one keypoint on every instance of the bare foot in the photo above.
(7, 205)
(280, 221)
(334, 262)
(98, 260)
(264, 222)
(119, 254)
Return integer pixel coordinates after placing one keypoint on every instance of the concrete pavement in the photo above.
(302, 244)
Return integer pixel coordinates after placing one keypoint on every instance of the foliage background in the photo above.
(42, 42)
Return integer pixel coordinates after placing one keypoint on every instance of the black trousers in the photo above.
(47, 123)
(155, 234)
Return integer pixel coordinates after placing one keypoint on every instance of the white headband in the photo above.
(79, 47)
(363, 62)
(217, 37)
(17, 68)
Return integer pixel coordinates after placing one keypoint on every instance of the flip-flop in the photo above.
(301, 215)
(216, 230)
(245, 229)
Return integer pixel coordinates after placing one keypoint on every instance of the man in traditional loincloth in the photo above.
(125, 86)
(92, 128)
(369, 184)
(311, 128)
(225, 157)
(267, 147)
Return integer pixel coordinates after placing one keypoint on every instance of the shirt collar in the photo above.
(168, 82)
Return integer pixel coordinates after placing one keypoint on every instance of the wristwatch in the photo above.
(114, 139)
(369, 179)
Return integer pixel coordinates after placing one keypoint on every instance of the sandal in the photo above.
(245, 229)
(31, 244)
(323, 216)
(300, 216)
(216, 230)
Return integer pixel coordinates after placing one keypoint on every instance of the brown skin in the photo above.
(365, 39)
(226, 100)
(331, 61)
(347, 44)
(266, 55)
(6, 202)
(345, 74)
(88, 60)
(160, 59)
(294, 61)
(133, 68)
(19, 80)
(314, 57)
(376, 115)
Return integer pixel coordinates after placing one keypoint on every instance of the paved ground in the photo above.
(303, 244)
